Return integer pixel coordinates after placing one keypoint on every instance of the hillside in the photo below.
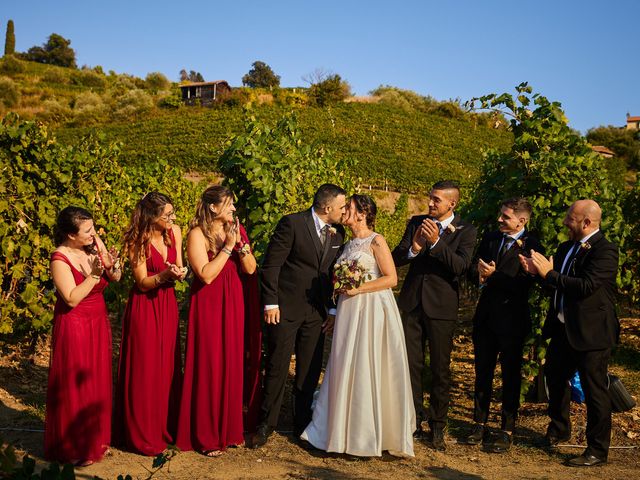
(403, 147)
(407, 149)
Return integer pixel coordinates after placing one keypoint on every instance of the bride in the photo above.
(365, 404)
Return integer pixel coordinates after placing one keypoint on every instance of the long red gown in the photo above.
(78, 413)
(211, 408)
(149, 371)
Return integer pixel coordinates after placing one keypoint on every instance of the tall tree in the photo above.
(624, 143)
(192, 76)
(10, 39)
(55, 52)
(261, 76)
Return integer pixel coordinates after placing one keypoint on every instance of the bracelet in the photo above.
(97, 277)
(227, 251)
(243, 249)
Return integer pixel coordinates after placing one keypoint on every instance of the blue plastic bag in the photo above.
(577, 395)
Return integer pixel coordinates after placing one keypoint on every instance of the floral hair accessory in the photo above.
(451, 228)
(331, 230)
(520, 243)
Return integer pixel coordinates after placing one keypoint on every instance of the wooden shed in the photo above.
(204, 93)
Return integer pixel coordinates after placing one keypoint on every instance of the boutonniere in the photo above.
(451, 228)
(586, 246)
(332, 230)
(519, 243)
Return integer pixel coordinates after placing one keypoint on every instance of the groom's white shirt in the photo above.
(319, 224)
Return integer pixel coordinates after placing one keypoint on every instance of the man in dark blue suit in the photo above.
(502, 319)
(583, 327)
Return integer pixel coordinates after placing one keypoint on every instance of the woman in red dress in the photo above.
(149, 372)
(211, 408)
(78, 414)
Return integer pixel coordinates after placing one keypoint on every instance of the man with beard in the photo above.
(438, 248)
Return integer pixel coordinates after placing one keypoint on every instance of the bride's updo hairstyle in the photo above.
(365, 204)
(208, 210)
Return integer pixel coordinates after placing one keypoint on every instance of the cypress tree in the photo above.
(10, 40)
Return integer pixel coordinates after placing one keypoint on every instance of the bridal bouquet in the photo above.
(347, 275)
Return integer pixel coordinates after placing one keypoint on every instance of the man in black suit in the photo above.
(296, 292)
(439, 248)
(502, 319)
(583, 327)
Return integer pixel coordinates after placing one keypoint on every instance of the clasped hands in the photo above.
(536, 264)
(174, 272)
(427, 234)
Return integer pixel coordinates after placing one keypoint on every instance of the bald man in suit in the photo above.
(582, 325)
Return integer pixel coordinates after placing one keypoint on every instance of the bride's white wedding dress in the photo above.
(365, 404)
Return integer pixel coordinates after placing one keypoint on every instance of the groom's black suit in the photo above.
(429, 304)
(296, 276)
(585, 339)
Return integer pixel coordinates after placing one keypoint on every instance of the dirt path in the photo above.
(22, 388)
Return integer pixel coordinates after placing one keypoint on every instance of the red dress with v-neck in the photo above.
(78, 412)
(149, 372)
(217, 366)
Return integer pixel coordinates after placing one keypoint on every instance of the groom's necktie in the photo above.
(559, 297)
(323, 235)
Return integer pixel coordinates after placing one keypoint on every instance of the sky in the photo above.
(582, 53)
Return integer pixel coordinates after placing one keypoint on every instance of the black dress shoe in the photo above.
(552, 441)
(586, 460)
(477, 435)
(437, 439)
(261, 436)
(420, 434)
(501, 443)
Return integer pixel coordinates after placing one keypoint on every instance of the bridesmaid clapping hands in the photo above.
(78, 418)
(212, 398)
(149, 372)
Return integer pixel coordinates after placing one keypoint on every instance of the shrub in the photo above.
(40, 177)
(238, 97)
(132, 103)
(405, 99)
(88, 78)
(89, 109)
(10, 65)
(392, 225)
(9, 93)
(54, 75)
(172, 101)
(330, 90)
(273, 171)
(156, 81)
(54, 111)
(448, 109)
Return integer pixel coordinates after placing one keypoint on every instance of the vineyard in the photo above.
(404, 151)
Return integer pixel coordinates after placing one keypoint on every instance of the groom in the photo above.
(296, 292)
